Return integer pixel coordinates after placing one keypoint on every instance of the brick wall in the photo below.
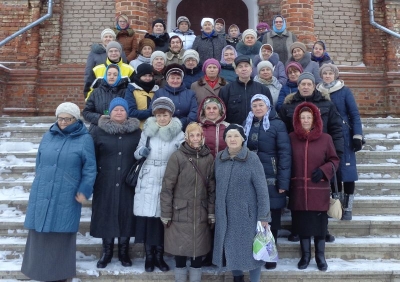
(267, 9)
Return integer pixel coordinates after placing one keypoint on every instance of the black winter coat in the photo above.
(275, 153)
(112, 204)
(331, 120)
(192, 75)
(160, 42)
(237, 96)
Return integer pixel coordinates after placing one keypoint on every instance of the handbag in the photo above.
(205, 180)
(335, 206)
(264, 247)
(133, 174)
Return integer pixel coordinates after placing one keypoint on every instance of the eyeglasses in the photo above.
(278, 21)
(67, 120)
(262, 28)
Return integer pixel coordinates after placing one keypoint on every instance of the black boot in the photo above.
(123, 251)
(108, 249)
(293, 237)
(149, 263)
(348, 207)
(329, 238)
(159, 259)
(305, 244)
(238, 278)
(272, 265)
(319, 244)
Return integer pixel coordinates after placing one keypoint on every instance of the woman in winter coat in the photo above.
(209, 44)
(158, 60)
(313, 157)
(234, 36)
(184, 99)
(241, 200)
(267, 53)
(184, 32)
(176, 51)
(115, 139)
(319, 54)
(65, 174)
(159, 36)
(228, 57)
(187, 203)
(192, 67)
(293, 71)
(140, 92)
(301, 56)
(265, 76)
(210, 83)
(146, 48)
(249, 45)
(346, 105)
(268, 138)
(126, 36)
(165, 135)
(111, 86)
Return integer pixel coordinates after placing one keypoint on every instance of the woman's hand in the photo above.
(264, 224)
(80, 198)
(281, 191)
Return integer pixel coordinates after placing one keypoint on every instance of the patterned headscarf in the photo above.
(250, 116)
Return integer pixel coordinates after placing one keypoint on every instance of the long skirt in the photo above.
(309, 223)
(49, 256)
(149, 230)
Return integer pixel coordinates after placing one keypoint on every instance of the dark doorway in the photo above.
(232, 11)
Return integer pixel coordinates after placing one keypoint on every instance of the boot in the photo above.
(180, 274)
(159, 259)
(207, 261)
(305, 244)
(238, 278)
(319, 244)
(329, 238)
(293, 237)
(195, 274)
(149, 262)
(348, 207)
(123, 251)
(108, 249)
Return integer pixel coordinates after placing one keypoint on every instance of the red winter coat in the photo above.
(310, 151)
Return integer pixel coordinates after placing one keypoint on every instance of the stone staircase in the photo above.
(366, 248)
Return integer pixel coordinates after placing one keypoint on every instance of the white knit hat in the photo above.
(69, 108)
(157, 54)
(108, 31)
(264, 64)
(211, 20)
(249, 32)
(190, 53)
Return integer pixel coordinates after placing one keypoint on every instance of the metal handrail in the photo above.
(372, 21)
(35, 23)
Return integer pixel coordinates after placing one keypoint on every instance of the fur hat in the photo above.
(118, 101)
(234, 126)
(306, 75)
(211, 20)
(190, 53)
(158, 54)
(174, 68)
(146, 42)
(329, 67)
(211, 61)
(163, 103)
(242, 59)
(298, 44)
(161, 21)
(249, 32)
(114, 44)
(293, 65)
(108, 31)
(182, 19)
(264, 64)
(69, 108)
(143, 69)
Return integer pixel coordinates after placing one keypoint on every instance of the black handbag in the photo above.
(133, 174)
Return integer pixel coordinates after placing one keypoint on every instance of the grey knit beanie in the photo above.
(157, 54)
(163, 103)
(69, 108)
(329, 67)
(190, 53)
(298, 44)
(114, 44)
(306, 75)
(264, 64)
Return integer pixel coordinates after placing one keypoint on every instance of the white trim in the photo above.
(252, 8)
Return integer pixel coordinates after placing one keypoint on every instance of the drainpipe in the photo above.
(35, 23)
(372, 21)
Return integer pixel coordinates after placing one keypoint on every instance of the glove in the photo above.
(317, 175)
(165, 221)
(357, 144)
(144, 152)
(211, 221)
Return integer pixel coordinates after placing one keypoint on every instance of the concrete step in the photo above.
(17, 172)
(385, 171)
(381, 144)
(377, 187)
(378, 157)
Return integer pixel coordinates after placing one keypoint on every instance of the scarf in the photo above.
(118, 78)
(119, 28)
(210, 82)
(279, 31)
(329, 85)
(147, 86)
(250, 116)
(209, 35)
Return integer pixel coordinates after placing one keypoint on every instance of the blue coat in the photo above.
(228, 72)
(65, 165)
(346, 105)
(288, 88)
(192, 75)
(184, 100)
(275, 153)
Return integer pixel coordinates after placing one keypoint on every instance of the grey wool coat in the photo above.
(241, 200)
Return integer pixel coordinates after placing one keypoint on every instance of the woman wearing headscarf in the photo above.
(313, 157)
(184, 32)
(293, 71)
(262, 28)
(241, 200)
(280, 38)
(65, 174)
(265, 76)
(210, 83)
(319, 54)
(158, 60)
(158, 35)
(146, 48)
(165, 136)
(176, 51)
(228, 56)
(234, 36)
(115, 139)
(126, 36)
(268, 138)
(192, 67)
(346, 105)
(249, 45)
(140, 92)
(209, 44)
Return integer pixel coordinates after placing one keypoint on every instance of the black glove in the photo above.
(211, 222)
(317, 175)
(357, 144)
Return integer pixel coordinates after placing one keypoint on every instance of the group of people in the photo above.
(226, 135)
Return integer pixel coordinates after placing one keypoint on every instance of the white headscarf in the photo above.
(250, 116)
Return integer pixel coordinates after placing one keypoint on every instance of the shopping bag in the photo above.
(264, 247)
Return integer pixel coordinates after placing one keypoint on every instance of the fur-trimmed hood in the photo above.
(316, 96)
(166, 133)
(201, 116)
(112, 127)
(338, 85)
(316, 130)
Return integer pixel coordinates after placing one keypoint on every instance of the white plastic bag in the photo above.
(264, 247)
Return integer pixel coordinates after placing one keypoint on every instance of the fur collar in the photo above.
(316, 131)
(326, 91)
(98, 48)
(166, 133)
(315, 97)
(171, 55)
(241, 156)
(112, 127)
